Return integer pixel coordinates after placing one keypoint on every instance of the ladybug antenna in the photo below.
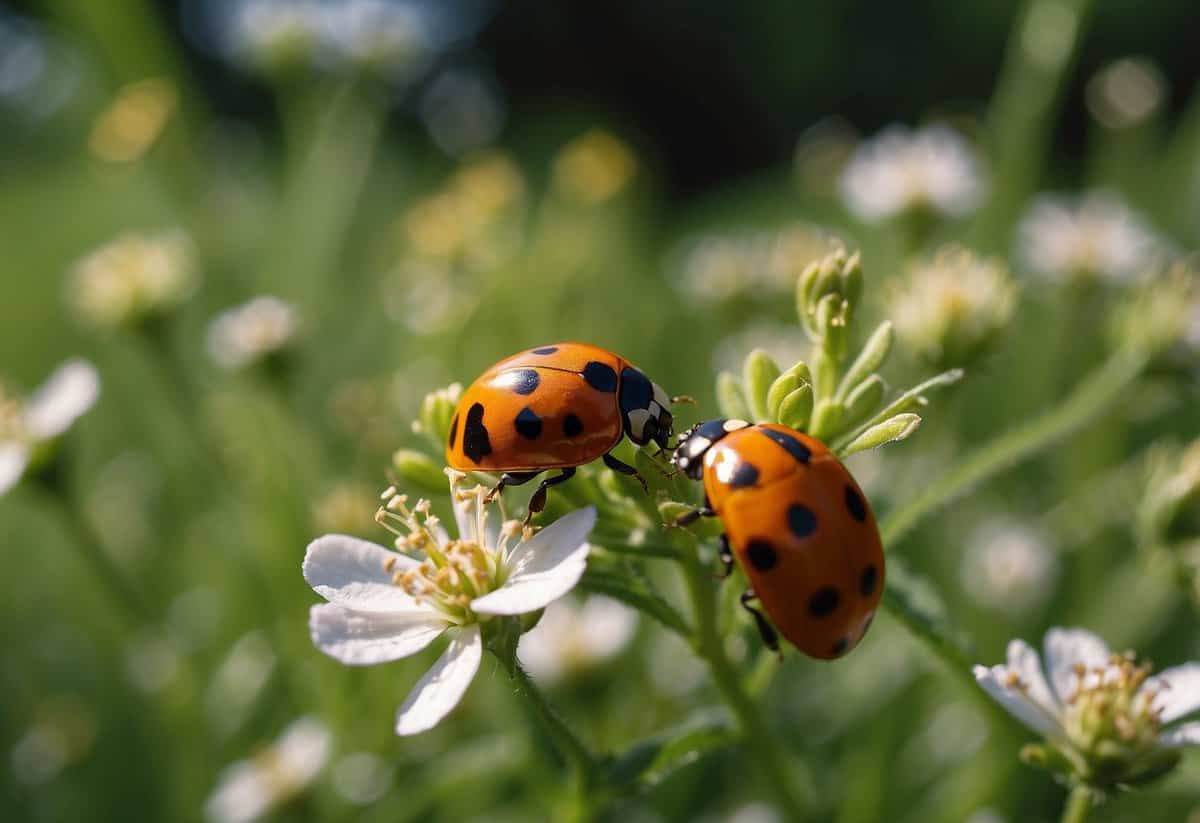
(684, 399)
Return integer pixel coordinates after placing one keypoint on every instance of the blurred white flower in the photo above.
(1009, 567)
(132, 277)
(62, 733)
(251, 332)
(1105, 717)
(151, 661)
(361, 777)
(1126, 92)
(1094, 236)
(949, 307)
(29, 425)
(760, 265)
(238, 681)
(386, 605)
(573, 636)
(785, 343)
(900, 171)
(248, 789)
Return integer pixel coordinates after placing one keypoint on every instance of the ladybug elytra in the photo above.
(799, 526)
(555, 407)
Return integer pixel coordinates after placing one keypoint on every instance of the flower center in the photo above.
(12, 418)
(1109, 706)
(450, 573)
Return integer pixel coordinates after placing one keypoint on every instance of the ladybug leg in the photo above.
(509, 479)
(769, 638)
(626, 469)
(688, 518)
(538, 501)
(726, 556)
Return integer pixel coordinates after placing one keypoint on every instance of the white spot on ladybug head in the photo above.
(734, 424)
(661, 397)
(638, 418)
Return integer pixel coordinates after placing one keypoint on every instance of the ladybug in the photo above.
(555, 407)
(798, 525)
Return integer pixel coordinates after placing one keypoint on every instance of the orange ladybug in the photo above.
(555, 407)
(797, 523)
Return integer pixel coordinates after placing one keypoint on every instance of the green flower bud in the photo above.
(796, 409)
(758, 373)
(730, 399)
(437, 411)
(863, 401)
(873, 353)
(827, 419)
(418, 471)
(1156, 317)
(828, 292)
(889, 431)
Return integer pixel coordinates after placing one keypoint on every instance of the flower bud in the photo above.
(889, 431)
(759, 372)
(419, 471)
(827, 292)
(730, 399)
(796, 409)
(437, 412)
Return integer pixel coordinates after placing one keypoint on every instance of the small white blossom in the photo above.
(250, 788)
(900, 170)
(1103, 712)
(29, 425)
(952, 305)
(574, 636)
(1126, 92)
(386, 605)
(250, 332)
(362, 777)
(133, 277)
(1008, 567)
(1095, 236)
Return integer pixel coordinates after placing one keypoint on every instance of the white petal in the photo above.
(364, 638)
(1017, 704)
(303, 750)
(1178, 691)
(1064, 649)
(243, 794)
(14, 457)
(544, 568)
(1186, 735)
(464, 512)
(443, 685)
(66, 394)
(358, 575)
(1023, 660)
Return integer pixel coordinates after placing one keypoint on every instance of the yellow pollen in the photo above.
(389, 564)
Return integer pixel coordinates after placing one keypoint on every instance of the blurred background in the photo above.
(425, 187)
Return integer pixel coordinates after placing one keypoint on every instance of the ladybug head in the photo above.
(645, 409)
(696, 441)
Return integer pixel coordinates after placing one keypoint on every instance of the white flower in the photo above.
(900, 170)
(386, 605)
(27, 425)
(250, 332)
(1106, 714)
(250, 788)
(1008, 566)
(574, 636)
(952, 305)
(132, 277)
(1095, 236)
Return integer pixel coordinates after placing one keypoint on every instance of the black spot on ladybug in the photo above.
(572, 426)
(599, 376)
(476, 444)
(866, 583)
(801, 520)
(762, 555)
(528, 424)
(546, 350)
(453, 430)
(636, 390)
(855, 505)
(525, 381)
(744, 475)
(824, 602)
(790, 444)
(839, 648)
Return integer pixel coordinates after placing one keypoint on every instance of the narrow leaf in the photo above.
(873, 353)
(636, 592)
(730, 399)
(759, 371)
(889, 431)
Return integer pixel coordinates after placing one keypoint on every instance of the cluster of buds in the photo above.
(844, 406)
(1168, 519)
(1156, 316)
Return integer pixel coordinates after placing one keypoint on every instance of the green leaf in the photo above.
(730, 399)
(864, 400)
(826, 419)
(915, 602)
(759, 371)
(636, 592)
(873, 353)
(653, 760)
(796, 409)
(889, 431)
(419, 471)
(909, 400)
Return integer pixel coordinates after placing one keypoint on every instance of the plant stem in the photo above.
(1100, 390)
(1079, 805)
(580, 762)
(793, 795)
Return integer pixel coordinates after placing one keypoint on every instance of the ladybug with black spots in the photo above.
(799, 526)
(555, 407)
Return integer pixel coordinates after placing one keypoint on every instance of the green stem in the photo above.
(794, 796)
(1100, 390)
(1079, 805)
(580, 762)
